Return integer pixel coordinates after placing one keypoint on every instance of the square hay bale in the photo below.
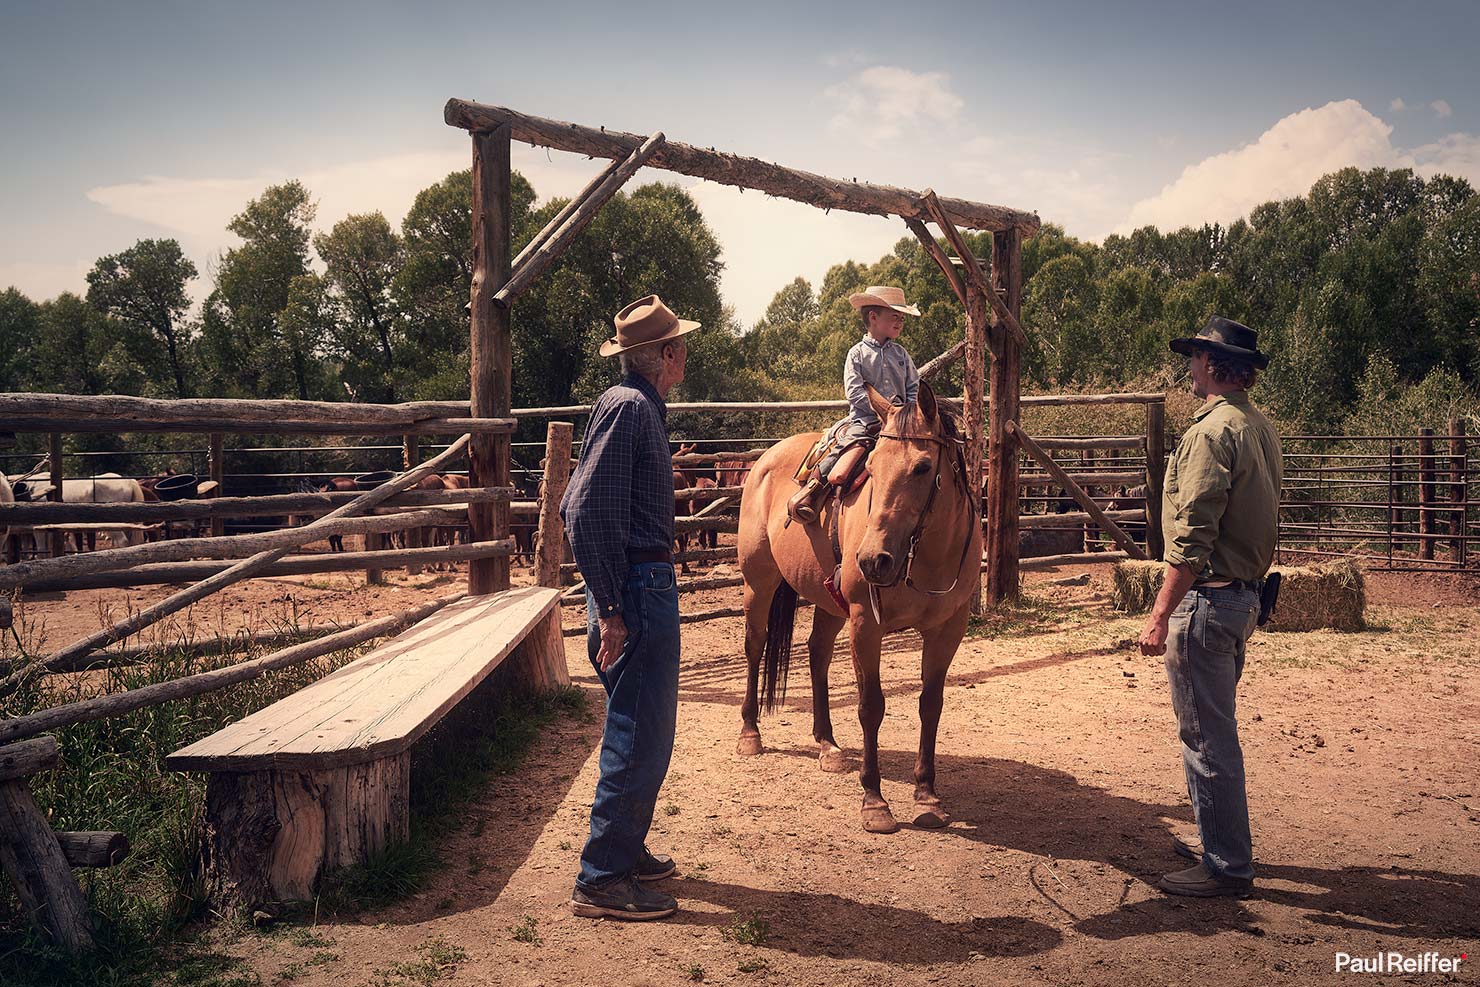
(1332, 595)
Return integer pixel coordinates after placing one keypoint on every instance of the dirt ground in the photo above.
(1059, 764)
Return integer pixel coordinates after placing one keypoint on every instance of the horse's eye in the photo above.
(921, 468)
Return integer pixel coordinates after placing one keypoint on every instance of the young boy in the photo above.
(879, 362)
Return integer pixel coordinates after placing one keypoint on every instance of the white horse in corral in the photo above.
(106, 488)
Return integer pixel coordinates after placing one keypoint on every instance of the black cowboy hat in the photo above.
(1226, 338)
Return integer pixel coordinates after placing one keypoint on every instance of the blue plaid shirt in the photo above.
(620, 497)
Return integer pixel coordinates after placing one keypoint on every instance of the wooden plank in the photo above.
(93, 848)
(1104, 479)
(732, 169)
(1074, 519)
(378, 705)
(1095, 442)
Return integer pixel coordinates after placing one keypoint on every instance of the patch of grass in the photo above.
(670, 809)
(701, 867)
(722, 830)
(564, 844)
(527, 931)
(323, 958)
(1029, 613)
(747, 932)
(309, 938)
(693, 971)
(435, 958)
(753, 966)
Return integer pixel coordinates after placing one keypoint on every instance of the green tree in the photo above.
(244, 344)
(362, 256)
(20, 331)
(143, 287)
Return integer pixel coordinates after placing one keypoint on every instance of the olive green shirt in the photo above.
(1220, 501)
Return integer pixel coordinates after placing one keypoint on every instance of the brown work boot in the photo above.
(802, 507)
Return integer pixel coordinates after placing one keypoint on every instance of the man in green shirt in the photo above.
(1220, 510)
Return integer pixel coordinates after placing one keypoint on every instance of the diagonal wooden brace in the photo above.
(1074, 490)
(974, 274)
(572, 220)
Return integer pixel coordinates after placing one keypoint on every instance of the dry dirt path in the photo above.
(1060, 766)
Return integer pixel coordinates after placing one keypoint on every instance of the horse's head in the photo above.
(913, 455)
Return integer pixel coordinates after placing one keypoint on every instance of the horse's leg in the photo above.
(866, 639)
(757, 597)
(820, 644)
(940, 644)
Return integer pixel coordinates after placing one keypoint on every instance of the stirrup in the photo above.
(801, 507)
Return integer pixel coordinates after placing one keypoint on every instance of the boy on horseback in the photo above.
(879, 362)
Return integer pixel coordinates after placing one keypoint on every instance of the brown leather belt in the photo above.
(649, 555)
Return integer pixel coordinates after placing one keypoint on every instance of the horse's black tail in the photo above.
(776, 657)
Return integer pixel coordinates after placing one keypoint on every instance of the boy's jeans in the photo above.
(1205, 658)
(641, 713)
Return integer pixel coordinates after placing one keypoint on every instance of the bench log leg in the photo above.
(30, 854)
(538, 662)
(270, 835)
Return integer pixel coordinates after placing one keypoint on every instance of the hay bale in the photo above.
(1332, 595)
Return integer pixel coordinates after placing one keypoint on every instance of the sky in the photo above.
(125, 121)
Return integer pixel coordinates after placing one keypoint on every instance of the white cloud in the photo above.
(1455, 154)
(1397, 105)
(1283, 162)
(1441, 109)
(767, 242)
(880, 102)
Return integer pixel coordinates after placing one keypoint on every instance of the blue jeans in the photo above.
(641, 714)
(1205, 659)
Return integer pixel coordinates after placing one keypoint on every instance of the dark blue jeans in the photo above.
(641, 714)
(1205, 659)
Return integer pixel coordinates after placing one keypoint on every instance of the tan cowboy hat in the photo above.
(885, 295)
(644, 322)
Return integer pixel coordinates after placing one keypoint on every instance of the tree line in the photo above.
(1366, 290)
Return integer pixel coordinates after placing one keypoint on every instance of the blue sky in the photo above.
(124, 121)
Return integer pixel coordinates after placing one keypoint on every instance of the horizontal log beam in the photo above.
(1075, 519)
(732, 169)
(31, 412)
(311, 504)
(93, 848)
(1095, 442)
(20, 761)
(1098, 479)
(225, 547)
(292, 565)
(1074, 558)
(114, 704)
(1028, 400)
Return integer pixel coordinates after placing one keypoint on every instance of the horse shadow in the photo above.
(1049, 813)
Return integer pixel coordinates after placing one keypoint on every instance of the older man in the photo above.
(618, 512)
(1220, 507)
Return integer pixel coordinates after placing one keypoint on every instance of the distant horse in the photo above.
(911, 547)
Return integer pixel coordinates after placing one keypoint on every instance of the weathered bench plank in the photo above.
(380, 704)
(322, 779)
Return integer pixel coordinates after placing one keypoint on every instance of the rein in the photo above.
(958, 470)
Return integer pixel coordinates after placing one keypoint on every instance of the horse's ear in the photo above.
(926, 400)
(881, 407)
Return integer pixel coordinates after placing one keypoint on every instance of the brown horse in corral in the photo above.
(911, 547)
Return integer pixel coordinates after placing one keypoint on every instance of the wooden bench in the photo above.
(321, 779)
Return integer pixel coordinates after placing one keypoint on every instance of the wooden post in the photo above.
(410, 456)
(1002, 457)
(216, 466)
(57, 541)
(30, 853)
(1426, 494)
(490, 348)
(1458, 492)
(538, 663)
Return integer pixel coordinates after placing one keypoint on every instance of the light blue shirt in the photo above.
(885, 367)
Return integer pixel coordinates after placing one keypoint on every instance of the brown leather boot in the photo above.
(802, 507)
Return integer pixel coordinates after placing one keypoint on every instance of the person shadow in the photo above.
(1049, 813)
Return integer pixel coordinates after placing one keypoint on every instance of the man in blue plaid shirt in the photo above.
(618, 514)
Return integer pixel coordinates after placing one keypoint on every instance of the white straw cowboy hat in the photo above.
(644, 322)
(884, 295)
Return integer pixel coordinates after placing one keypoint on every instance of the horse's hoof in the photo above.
(878, 819)
(832, 760)
(929, 815)
(749, 745)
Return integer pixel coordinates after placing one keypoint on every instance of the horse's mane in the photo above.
(950, 424)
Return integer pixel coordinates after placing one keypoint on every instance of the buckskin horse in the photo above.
(909, 544)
